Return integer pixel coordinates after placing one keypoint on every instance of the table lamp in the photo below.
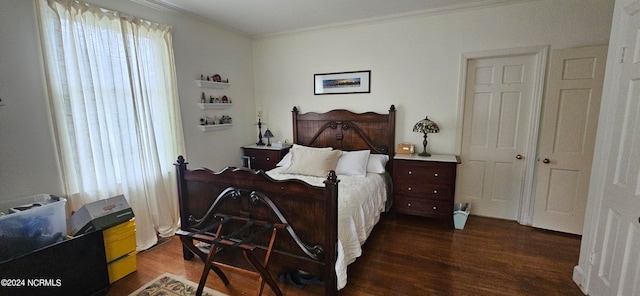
(259, 124)
(425, 126)
(268, 135)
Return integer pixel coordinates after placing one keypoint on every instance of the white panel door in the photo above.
(616, 255)
(496, 121)
(567, 137)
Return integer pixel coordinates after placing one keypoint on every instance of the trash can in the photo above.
(460, 215)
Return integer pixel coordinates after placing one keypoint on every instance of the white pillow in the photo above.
(377, 163)
(353, 163)
(285, 162)
(313, 162)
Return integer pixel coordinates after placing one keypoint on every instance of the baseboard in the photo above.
(578, 278)
(161, 241)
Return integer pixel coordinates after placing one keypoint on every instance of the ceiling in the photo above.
(265, 17)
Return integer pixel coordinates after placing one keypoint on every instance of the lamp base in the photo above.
(424, 147)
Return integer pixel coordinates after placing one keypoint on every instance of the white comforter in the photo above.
(360, 202)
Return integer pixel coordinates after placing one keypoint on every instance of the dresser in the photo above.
(263, 157)
(425, 186)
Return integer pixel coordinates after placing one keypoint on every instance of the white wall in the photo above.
(28, 161)
(414, 62)
(415, 65)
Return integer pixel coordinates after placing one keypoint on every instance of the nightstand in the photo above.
(263, 157)
(425, 186)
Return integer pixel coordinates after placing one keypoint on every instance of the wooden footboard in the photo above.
(308, 243)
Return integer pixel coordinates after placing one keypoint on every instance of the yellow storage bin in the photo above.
(122, 267)
(119, 240)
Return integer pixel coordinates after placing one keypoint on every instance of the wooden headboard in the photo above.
(345, 130)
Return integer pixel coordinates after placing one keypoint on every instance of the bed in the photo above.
(325, 229)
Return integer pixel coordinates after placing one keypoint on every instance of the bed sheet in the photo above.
(361, 200)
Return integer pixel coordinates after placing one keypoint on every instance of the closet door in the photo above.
(496, 130)
(567, 137)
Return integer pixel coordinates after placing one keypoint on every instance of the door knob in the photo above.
(519, 156)
(546, 160)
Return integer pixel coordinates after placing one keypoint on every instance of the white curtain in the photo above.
(112, 87)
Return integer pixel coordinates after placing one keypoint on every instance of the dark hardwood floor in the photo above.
(408, 255)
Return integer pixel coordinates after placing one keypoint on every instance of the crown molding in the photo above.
(395, 17)
(164, 6)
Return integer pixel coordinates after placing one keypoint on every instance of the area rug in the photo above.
(172, 285)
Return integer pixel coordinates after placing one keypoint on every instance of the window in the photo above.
(112, 88)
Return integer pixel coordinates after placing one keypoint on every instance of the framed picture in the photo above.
(342, 83)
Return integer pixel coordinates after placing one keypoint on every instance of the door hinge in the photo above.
(623, 50)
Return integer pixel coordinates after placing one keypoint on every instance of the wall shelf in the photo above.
(215, 127)
(214, 106)
(211, 84)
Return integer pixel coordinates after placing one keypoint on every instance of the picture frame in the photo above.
(342, 83)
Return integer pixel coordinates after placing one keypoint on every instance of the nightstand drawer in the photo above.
(434, 172)
(423, 207)
(420, 189)
(263, 158)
